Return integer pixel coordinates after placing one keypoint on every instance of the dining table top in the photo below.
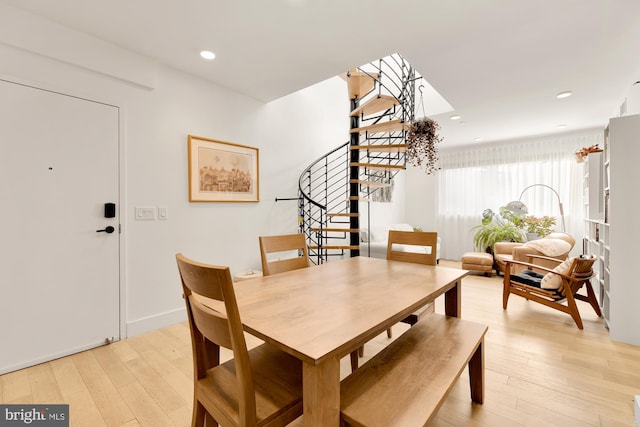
(329, 310)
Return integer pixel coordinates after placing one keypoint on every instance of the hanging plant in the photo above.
(422, 140)
(582, 153)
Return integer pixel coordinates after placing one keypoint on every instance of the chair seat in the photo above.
(533, 279)
(277, 379)
(528, 277)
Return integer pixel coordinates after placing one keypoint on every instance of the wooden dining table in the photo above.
(323, 313)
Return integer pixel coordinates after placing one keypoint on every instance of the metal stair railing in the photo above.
(324, 187)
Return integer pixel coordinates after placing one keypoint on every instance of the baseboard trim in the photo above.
(49, 357)
(151, 323)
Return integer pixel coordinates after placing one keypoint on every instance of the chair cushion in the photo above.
(528, 277)
(564, 236)
(553, 281)
(550, 247)
(478, 258)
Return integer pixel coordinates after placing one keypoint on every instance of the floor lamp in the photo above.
(518, 207)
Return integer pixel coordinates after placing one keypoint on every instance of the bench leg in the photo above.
(354, 360)
(453, 300)
(476, 374)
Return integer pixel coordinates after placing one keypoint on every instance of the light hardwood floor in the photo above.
(541, 370)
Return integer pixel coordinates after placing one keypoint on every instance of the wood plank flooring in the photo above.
(541, 370)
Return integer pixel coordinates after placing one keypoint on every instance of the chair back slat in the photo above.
(203, 279)
(212, 324)
(583, 267)
(420, 241)
(283, 243)
(581, 270)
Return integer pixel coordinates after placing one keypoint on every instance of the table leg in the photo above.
(476, 374)
(453, 299)
(321, 393)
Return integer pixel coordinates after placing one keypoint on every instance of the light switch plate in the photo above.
(163, 213)
(145, 213)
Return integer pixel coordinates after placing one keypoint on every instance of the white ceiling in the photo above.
(499, 63)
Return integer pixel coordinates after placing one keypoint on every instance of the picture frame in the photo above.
(221, 171)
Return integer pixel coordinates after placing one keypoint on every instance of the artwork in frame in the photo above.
(221, 171)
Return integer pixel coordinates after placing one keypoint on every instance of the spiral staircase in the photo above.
(334, 187)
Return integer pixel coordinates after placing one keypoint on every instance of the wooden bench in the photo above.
(407, 382)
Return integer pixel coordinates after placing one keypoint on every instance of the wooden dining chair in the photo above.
(285, 244)
(569, 277)
(259, 387)
(413, 246)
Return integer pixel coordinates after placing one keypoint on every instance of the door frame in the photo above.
(121, 202)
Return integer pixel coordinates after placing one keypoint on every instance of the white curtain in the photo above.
(472, 180)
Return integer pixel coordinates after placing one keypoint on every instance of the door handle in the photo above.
(108, 230)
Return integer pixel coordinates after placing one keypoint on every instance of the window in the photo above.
(473, 180)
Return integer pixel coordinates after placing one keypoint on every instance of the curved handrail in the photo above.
(309, 168)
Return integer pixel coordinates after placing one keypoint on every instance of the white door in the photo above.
(59, 277)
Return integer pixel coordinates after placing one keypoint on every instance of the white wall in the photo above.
(290, 133)
(633, 99)
(421, 199)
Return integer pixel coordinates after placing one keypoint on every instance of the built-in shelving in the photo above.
(596, 229)
(621, 175)
(612, 234)
(595, 243)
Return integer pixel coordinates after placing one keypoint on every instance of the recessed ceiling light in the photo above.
(207, 54)
(565, 94)
(455, 117)
(561, 126)
(478, 139)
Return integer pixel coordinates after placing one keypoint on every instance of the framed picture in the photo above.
(222, 172)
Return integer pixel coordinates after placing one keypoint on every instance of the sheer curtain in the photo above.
(472, 180)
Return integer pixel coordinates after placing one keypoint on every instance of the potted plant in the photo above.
(538, 227)
(494, 229)
(422, 140)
